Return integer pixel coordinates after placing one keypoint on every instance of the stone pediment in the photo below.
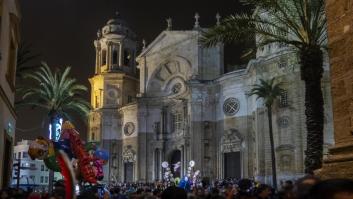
(167, 41)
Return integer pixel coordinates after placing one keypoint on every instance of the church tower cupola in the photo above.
(115, 48)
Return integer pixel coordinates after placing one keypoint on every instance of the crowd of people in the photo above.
(308, 187)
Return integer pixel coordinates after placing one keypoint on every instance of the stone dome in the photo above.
(117, 26)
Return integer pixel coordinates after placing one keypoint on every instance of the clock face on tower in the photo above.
(129, 128)
(112, 94)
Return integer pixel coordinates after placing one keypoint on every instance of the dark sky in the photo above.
(62, 32)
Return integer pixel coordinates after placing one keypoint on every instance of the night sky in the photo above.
(63, 31)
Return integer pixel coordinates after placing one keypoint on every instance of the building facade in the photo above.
(9, 40)
(340, 28)
(183, 107)
(33, 173)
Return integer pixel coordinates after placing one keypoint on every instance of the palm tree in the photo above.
(25, 59)
(300, 24)
(56, 93)
(269, 91)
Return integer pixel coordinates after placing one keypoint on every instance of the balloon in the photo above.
(192, 163)
(39, 149)
(102, 154)
(88, 166)
(91, 146)
(52, 163)
(165, 164)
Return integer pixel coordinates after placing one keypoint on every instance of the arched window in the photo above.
(104, 57)
(115, 56)
(93, 136)
(127, 57)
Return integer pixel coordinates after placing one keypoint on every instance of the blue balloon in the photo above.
(102, 154)
(185, 183)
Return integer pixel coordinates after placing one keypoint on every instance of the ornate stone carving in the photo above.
(169, 23)
(129, 154)
(129, 128)
(231, 142)
(176, 88)
(231, 106)
(157, 127)
(218, 19)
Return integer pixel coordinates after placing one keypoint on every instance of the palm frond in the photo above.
(268, 90)
(298, 23)
(56, 92)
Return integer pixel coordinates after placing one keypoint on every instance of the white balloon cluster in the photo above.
(177, 166)
(195, 176)
(168, 175)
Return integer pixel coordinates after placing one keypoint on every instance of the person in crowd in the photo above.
(303, 186)
(4, 194)
(332, 189)
(174, 193)
(286, 191)
(263, 192)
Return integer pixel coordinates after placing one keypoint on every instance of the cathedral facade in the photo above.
(173, 102)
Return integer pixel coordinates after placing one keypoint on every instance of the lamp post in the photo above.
(54, 135)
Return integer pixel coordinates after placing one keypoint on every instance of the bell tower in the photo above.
(114, 84)
(115, 48)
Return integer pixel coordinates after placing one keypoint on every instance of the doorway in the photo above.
(232, 165)
(128, 171)
(174, 159)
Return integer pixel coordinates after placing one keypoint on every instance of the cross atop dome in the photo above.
(197, 23)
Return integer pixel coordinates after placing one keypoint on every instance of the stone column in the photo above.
(339, 163)
(121, 58)
(97, 58)
(109, 56)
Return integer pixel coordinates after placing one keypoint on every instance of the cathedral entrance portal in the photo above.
(128, 171)
(231, 154)
(175, 160)
(129, 158)
(232, 166)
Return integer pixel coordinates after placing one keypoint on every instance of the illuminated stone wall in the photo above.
(340, 33)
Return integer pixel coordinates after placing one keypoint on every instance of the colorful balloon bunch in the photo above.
(192, 179)
(87, 160)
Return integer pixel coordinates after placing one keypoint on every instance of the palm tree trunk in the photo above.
(273, 155)
(311, 73)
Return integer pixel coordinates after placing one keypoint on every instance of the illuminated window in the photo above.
(11, 68)
(177, 121)
(283, 100)
(25, 155)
